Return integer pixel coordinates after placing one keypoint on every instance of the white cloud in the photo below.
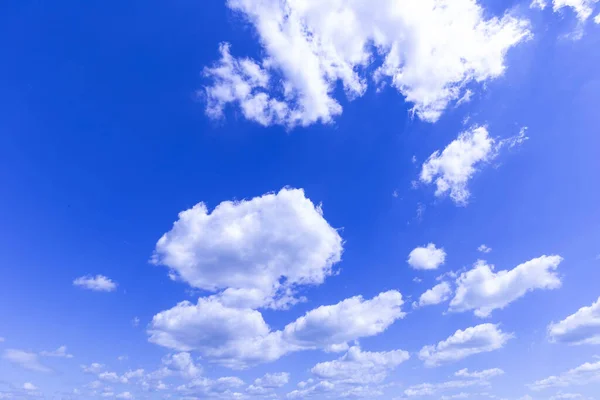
(430, 55)
(25, 360)
(124, 395)
(318, 388)
(360, 367)
(597, 19)
(562, 396)
(477, 339)
(93, 368)
(257, 250)
(484, 249)
(111, 377)
(122, 358)
(238, 337)
(541, 4)
(274, 380)
(582, 327)
(483, 290)
(430, 389)
(436, 295)
(582, 8)
(135, 322)
(428, 257)
(29, 386)
(582, 375)
(182, 363)
(452, 169)
(210, 388)
(98, 283)
(485, 374)
(60, 352)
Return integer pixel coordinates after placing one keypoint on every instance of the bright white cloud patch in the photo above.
(484, 249)
(582, 375)
(597, 19)
(483, 290)
(428, 50)
(582, 8)
(428, 257)
(452, 169)
(360, 367)
(582, 327)
(464, 343)
(98, 283)
(29, 386)
(436, 295)
(237, 337)
(25, 359)
(257, 251)
(485, 374)
(275, 380)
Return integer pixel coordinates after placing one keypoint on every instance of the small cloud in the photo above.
(25, 359)
(29, 386)
(541, 4)
(135, 322)
(98, 283)
(597, 18)
(122, 358)
(414, 159)
(466, 98)
(416, 279)
(484, 249)
(420, 211)
(395, 193)
(60, 352)
(428, 257)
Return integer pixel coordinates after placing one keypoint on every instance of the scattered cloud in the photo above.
(485, 374)
(541, 4)
(29, 386)
(583, 8)
(464, 343)
(253, 252)
(484, 249)
(430, 389)
(563, 396)
(360, 367)
(582, 375)
(597, 19)
(238, 337)
(275, 380)
(428, 257)
(98, 283)
(436, 295)
(60, 352)
(93, 368)
(582, 327)
(26, 360)
(429, 54)
(483, 290)
(135, 322)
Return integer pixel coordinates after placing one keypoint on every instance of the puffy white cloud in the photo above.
(318, 388)
(111, 377)
(274, 380)
(25, 359)
(464, 343)
(541, 4)
(436, 295)
(483, 290)
(582, 327)
(582, 8)
(452, 169)
(484, 249)
(60, 352)
(29, 386)
(430, 51)
(597, 19)
(582, 375)
(428, 257)
(360, 367)
(255, 250)
(182, 363)
(93, 368)
(485, 374)
(98, 283)
(347, 320)
(237, 337)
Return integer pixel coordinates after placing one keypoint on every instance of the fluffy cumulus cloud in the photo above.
(360, 367)
(237, 337)
(254, 252)
(464, 343)
(582, 375)
(98, 283)
(484, 249)
(428, 257)
(25, 359)
(483, 290)
(582, 327)
(428, 50)
(436, 295)
(452, 168)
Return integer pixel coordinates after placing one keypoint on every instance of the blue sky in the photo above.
(284, 199)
